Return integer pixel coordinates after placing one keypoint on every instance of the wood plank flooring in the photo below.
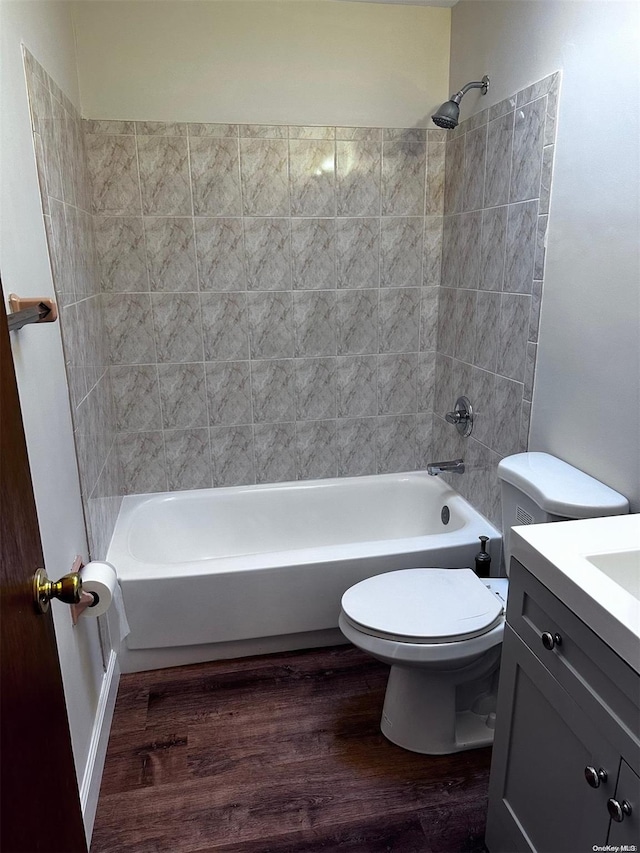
(278, 754)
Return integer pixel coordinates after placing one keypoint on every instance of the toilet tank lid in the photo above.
(559, 488)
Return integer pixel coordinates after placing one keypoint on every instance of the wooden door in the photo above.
(39, 802)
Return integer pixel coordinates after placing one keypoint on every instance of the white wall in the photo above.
(45, 28)
(270, 61)
(585, 404)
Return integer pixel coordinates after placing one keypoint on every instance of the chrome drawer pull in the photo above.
(594, 777)
(618, 810)
(550, 641)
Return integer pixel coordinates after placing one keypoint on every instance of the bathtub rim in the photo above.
(131, 568)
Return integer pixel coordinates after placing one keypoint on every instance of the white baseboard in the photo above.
(90, 788)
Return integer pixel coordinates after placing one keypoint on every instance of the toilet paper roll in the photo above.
(101, 580)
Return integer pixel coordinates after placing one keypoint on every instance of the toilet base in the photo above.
(429, 714)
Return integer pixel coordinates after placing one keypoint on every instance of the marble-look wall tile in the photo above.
(498, 169)
(396, 443)
(263, 131)
(357, 386)
(121, 253)
(529, 376)
(268, 253)
(188, 459)
(114, 174)
(225, 326)
(143, 462)
(216, 130)
(215, 176)
(475, 151)
(271, 325)
(315, 323)
(436, 163)
(358, 250)
(287, 314)
(534, 317)
(315, 388)
(171, 259)
(401, 244)
(228, 392)
(164, 175)
(528, 140)
(399, 319)
(316, 449)
(495, 363)
(494, 237)
(357, 321)
(232, 456)
(275, 446)
(129, 328)
(313, 253)
(465, 324)
(545, 178)
(220, 254)
(429, 318)
(177, 327)
(136, 398)
(508, 401)
(397, 383)
(183, 396)
(356, 447)
(432, 261)
(312, 178)
(160, 128)
(358, 176)
(522, 226)
(273, 390)
(265, 185)
(487, 318)
(454, 175)
(403, 177)
(512, 335)
(541, 239)
(109, 127)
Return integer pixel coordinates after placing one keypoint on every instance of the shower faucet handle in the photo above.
(461, 416)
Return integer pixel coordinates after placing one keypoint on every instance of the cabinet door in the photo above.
(539, 799)
(626, 834)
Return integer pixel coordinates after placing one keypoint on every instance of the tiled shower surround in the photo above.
(498, 181)
(66, 205)
(270, 298)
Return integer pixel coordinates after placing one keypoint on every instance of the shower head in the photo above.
(449, 113)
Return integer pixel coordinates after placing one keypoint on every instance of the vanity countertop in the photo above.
(593, 566)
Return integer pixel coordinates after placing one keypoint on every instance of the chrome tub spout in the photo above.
(454, 466)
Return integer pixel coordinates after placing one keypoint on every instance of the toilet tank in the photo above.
(538, 487)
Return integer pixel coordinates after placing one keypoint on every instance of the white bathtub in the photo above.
(223, 572)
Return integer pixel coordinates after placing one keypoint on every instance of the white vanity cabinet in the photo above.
(566, 754)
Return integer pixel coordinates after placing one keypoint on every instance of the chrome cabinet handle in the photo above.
(618, 810)
(594, 777)
(550, 641)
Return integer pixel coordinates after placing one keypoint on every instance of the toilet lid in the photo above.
(423, 605)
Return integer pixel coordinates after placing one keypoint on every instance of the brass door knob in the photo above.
(67, 589)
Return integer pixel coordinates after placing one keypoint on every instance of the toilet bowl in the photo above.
(441, 630)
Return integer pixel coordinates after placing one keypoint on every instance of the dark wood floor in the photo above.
(278, 754)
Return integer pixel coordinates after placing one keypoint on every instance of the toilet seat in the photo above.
(423, 606)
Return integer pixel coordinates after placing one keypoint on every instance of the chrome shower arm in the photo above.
(477, 84)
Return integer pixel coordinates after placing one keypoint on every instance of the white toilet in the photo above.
(441, 629)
